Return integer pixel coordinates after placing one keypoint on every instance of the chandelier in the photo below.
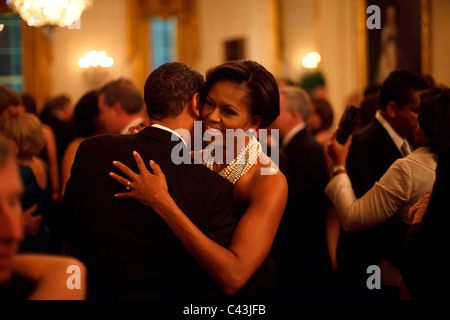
(59, 13)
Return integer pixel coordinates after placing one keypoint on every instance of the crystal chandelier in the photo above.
(59, 13)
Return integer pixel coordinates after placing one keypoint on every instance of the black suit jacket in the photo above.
(300, 245)
(128, 249)
(371, 154)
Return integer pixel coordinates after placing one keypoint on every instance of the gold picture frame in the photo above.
(413, 38)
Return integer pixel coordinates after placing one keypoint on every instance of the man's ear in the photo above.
(391, 109)
(194, 104)
(118, 108)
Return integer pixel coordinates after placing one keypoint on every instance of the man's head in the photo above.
(25, 134)
(10, 102)
(295, 106)
(119, 103)
(170, 88)
(60, 106)
(400, 99)
(11, 228)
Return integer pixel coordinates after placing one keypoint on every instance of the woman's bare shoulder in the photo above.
(264, 177)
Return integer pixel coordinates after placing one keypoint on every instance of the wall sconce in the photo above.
(311, 60)
(1, 27)
(96, 65)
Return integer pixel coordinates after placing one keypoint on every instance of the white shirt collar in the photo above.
(156, 125)
(292, 133)
(135, 122)
(398, 141)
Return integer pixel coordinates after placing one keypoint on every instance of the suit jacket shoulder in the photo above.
(372, 152)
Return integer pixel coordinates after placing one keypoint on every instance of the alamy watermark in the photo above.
(374, 20)
(74, 280)
(225, 155)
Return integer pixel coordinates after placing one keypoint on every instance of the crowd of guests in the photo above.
(95, 185)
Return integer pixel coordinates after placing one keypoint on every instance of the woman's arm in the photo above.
(377, 205)
(252, 239)
(51, 275)
(52, 158)
(66, 164)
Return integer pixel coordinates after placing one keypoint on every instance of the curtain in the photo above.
(139, 39)
(36, 59)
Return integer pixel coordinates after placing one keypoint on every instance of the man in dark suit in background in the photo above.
(129, 251)
(300, 249)
(374, 149)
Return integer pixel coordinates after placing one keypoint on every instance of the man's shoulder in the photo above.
(373, 136)
(304, 139)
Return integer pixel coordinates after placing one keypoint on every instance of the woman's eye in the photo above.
(229, 112)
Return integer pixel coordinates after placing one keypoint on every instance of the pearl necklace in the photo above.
(240, 165)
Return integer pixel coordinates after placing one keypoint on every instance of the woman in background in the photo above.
(25, 134)
(85, 118)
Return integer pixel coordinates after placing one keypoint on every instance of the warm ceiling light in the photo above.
(61, 13)
(96, 59)
(311, 60)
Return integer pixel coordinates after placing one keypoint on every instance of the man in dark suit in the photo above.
(129, 251)
(374, 149)
(300, 249)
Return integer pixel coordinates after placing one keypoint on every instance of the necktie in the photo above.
(405, 149)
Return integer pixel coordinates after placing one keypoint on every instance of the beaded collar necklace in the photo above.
(240, 165)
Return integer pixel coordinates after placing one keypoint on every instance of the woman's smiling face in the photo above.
(226, 108)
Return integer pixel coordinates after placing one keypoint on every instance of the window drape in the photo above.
(139, 39)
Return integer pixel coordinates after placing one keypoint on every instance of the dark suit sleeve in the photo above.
(224, 216)
(360, 168)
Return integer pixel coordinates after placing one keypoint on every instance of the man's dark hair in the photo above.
(8, 97)
(169, 88)
(263, 97)
(399, 87)
(124, 92)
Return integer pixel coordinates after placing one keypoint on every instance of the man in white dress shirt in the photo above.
(374, 149)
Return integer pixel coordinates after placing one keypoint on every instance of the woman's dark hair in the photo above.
(434, 117)
(85, 114)
(263, 97)
(325, 111)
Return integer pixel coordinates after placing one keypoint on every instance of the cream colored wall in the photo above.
(103, 27)
(222, 20)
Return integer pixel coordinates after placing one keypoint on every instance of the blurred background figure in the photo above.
(86, 121)
(121, 107)
(300, 250)
(24, 131)
(320, 119)
(58, 114)
(11, 103)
